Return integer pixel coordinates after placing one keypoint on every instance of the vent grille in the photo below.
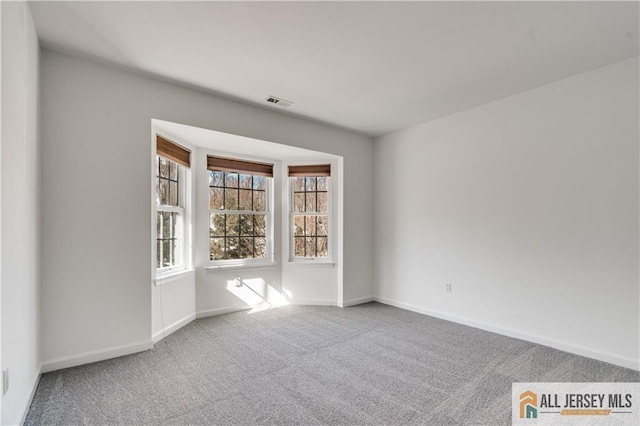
(278, 101)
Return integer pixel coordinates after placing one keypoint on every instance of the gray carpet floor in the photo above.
(309, 365)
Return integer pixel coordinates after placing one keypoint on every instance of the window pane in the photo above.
(216, 198)
(323, 202)
(245, 181)
(298, 184)
(322, 228)
(298, 225)
(323, 248)
(311, 183)
(173, 170)
(231, 180)
(310, 247)
(166, 253)
(231, 248)
(298, 202)
(216, 178)
(246, 248)
(298, 246)
(260, 247)
(323, 184)
(216, 247)
(260, 225)
(245, 199)
(164, 168)
(177, 252)
(173, 194)
(246, 225)
(259, 201)
(233, 222)
(163, 192)
(167, 229)
(260, 182)
(159, 254)
(175, 225)
(216, 225)
(159, 225)
(231, 199)
(311, 202)
(310, 225)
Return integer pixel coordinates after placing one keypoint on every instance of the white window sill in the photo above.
(228, 267)
(318, 263)
(171, 276)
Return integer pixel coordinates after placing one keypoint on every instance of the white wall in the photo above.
(174, 305)
(0, 206)
(20, 209)
(529, 207)
(96, 290)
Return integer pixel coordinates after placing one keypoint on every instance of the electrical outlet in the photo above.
(5, 382)
(448, 288)
(238, 282)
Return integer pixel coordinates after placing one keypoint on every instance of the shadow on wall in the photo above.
(256, 293)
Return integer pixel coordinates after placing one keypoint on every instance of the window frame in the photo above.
(291, 225)
(181, 213)
(269, 224)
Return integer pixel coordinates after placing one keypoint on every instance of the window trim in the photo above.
(268, 260)
(328, 260)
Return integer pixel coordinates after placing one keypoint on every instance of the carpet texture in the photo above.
(310, 365)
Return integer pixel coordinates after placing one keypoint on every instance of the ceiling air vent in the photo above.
(278, 101)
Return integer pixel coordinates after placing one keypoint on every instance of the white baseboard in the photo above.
(24, 408)
(359, 301)
(221, 311)
(231, 309)
(556, 344)
(94, 356)
(314, 302)
(173, 327)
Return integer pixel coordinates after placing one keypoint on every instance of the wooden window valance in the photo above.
(239, 166)
(173, 151)
(313, 170)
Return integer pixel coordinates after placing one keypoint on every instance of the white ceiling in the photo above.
(372, 67)
(235, 144)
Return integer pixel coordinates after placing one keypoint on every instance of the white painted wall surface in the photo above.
(174, 305)
(529, 207)
(0, 203)
(20, 209)
(97, 289)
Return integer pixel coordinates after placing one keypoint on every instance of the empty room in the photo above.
(319, 213)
